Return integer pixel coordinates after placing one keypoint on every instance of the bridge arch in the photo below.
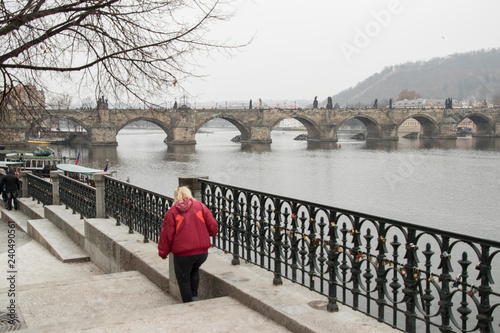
(158, 123)
(484, 125)
(29, 129)
(244, 130)
(313, 132)
(429, 127)
(373, 128)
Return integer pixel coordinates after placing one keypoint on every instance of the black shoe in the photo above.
(9, 208)
(15, 208)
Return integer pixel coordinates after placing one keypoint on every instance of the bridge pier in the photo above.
(257, 135)
(497, 129)
(447, 129)
(103, 135)
(13, 136)
(325, 135)
(389, 130)
(181, 136)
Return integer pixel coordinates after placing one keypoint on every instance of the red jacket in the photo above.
(186, 229)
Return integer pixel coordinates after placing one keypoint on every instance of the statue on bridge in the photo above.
(250, 105)
(448, 103)
(260, 103)
(375, 105)
(315, 102)
(175, 105)
(102, 103)
(329, 103)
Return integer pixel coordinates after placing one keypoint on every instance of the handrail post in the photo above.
(54, 177)
(24, 177)
(277, 281)
(100, 194)
(411, 281)
(484, 316)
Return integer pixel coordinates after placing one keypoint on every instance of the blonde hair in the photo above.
(181, 193)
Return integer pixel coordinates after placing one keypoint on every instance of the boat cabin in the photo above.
(39, 165)
(79, 173)
(17, 166)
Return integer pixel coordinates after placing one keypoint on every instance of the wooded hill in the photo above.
(463, 77)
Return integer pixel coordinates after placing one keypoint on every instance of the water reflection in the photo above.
(486, 143)
(179, 153)
(256, 147)
(465, 143)
(101, 154)
(314, 145)
(181, 149)
(381, 145)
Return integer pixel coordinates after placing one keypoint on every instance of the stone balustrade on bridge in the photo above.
(255, 125)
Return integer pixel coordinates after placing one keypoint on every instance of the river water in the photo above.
(453, 186)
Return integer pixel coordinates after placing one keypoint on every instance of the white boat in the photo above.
(80, 173)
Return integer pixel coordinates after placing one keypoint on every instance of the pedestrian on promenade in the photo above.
(12, 184)
(186, 232)
(4, 196)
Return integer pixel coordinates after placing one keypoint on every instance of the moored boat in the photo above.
(80, 173)
(55, 141)
(17, 166)
(39, 165)
(42, 153)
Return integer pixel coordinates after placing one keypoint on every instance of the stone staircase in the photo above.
(58, 288)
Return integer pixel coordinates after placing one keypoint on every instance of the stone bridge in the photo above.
(255, 125)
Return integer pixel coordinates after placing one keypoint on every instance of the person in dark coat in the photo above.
(11, 184)
(4, 196)
(186, 232)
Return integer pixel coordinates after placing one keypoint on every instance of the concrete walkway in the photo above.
(74, 297)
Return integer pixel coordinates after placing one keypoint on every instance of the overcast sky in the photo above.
(303, 49)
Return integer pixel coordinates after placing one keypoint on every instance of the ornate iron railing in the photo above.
(141, 210)
(40, 189)
(80, 197)
(412, 277)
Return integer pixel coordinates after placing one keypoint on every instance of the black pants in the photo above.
(188, 275)
(11, 196)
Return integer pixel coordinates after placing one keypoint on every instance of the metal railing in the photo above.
(409, 276)
(80, 197)
(40, 189)
(141, 210)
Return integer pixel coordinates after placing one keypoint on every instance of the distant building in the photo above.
(439, 103)
(290, 123)
(410, 125)
(25, 97)
(467, 123)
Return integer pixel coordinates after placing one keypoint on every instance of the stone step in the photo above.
(223, 314)
(71, 224)
(31, 208)
(18, 217)
(56, 241)
(52, 303)
(27, 209)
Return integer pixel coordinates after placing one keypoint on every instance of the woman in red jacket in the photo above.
(186, 232)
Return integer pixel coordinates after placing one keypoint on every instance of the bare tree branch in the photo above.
(131, 48)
